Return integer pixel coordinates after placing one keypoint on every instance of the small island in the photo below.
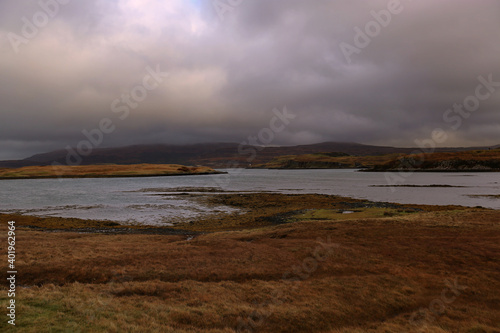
(104, 171)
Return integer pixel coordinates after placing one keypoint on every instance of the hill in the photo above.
(326, 161)
(473, 160)
(220, 155)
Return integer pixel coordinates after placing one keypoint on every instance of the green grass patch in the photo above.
(50, 315)
(336, 214)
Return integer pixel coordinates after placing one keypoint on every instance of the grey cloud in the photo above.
(227, 76)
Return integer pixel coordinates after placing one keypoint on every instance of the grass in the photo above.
(107, 170)
(377, 272)
(336, 214)
(326, 160)
(58, 222)
(269, 209)
(474, 160)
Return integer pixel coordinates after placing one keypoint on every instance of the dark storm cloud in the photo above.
(226, 76)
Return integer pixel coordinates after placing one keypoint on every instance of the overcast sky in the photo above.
(230, 65)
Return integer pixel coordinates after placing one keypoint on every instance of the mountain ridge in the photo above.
(221, 155)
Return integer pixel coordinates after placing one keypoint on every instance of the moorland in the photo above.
(285, 263)
(468, 160)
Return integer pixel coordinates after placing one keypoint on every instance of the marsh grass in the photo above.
(383, 270)
(339, 214)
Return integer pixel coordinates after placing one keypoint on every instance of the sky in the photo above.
(124, 72)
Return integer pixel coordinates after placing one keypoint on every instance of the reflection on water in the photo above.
(164, 200)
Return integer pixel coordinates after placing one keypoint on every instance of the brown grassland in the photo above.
(324, 160)
(449, 161)
(472, 160)
(287, 263)
(106, 170)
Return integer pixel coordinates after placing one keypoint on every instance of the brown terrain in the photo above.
(286, 263)
(103, 171)
(216, 155)
(472, 160)
(326, 161)
(469, 160)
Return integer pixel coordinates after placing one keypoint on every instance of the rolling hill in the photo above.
(468, 160)
(220, 155)
(473, 160)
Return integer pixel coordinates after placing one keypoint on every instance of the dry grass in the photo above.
(107, 170)
(476, 155)
(269, 209)
(473, 160)
(58, 222)
(336, 214)
(488, 158)
(377, 274)
(316, 160)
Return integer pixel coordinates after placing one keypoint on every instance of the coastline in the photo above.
(255, 211)
(119, 176)
(105, 171)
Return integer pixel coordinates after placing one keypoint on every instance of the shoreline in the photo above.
(433, 170)
(254, 211)
(388, 170)
(117, 176)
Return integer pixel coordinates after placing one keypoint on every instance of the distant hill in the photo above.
(327, 161)
(468, 160)
(473, 160)
(220, 155)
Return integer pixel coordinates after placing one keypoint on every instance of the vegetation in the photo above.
(102, 171)
(217, 155)
(489, 196)
(326, 161)
(297, 265)
(270, 209)
(475, 160)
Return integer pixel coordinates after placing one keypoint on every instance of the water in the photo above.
(151, 201)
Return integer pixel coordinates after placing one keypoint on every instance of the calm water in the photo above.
(137, 200)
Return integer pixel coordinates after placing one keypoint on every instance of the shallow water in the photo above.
(367, 185)
(149, 201)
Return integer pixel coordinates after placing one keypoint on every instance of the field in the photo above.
(102, 171)
(289, 263)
